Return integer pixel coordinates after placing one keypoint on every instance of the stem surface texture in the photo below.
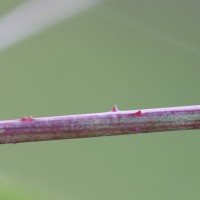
(115, 122)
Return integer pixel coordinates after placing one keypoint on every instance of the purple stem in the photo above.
(110, 123)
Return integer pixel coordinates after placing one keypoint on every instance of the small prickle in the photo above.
(138, 113)
(114, 109)
(27, 119)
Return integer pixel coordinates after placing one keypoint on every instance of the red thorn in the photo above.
(114, 109)
(138, 113)
(23, 119)
(27, 119)
(30, 119)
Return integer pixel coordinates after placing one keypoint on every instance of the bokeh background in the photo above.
(136, 54)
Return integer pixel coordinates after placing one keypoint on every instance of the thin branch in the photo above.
(111, 123)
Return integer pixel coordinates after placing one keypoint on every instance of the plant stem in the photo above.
(110, 123)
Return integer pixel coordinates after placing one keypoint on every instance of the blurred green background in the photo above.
(136, 54)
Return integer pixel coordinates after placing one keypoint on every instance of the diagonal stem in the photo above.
(110, 123)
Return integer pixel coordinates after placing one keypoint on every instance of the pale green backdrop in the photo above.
(136, 54)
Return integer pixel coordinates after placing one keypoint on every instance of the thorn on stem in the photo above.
(114, 109)
(138, 113)
(27, 119)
